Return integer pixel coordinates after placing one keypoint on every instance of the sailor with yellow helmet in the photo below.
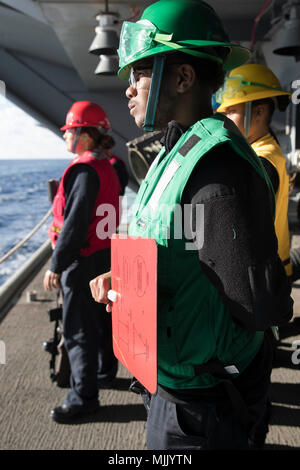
(249, 97)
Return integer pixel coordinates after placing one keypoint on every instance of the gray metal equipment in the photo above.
(141, 153)
(289, 44)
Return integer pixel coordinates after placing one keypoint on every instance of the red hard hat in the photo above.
(86, 114)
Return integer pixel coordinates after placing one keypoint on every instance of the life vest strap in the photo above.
(218, 370)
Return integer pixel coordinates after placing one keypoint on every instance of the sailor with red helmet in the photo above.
(85, 214)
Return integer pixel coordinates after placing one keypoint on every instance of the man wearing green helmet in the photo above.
(216, 298)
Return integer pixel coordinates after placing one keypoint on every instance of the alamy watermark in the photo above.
(296, 94)
(187, 222)
(296, 353)
(2, 88)
(2, 353)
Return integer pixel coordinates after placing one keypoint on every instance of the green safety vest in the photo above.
(194, 325)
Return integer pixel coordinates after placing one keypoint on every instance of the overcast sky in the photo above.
(22, 137)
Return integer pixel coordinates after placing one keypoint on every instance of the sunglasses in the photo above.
(144, 71)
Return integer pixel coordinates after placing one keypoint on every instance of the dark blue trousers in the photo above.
(196, 426)
(87, 331)
(213, 424)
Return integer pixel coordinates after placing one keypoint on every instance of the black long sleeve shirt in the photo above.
(122, 173)
(81, 190)
(271, 172)
(236, 235)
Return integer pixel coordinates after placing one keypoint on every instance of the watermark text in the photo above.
(2, 352)
(296, 94)
(296, 353)
(167, 222)
(163, 460)
(2, 88)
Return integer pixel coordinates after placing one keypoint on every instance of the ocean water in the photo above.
(23, 203)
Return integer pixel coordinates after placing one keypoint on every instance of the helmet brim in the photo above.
(253, 97)
(66, 126)
(84, 124)
(237, 56)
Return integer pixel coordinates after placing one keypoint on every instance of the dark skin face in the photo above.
(181, 97)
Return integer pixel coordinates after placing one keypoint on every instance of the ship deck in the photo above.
(27, 394)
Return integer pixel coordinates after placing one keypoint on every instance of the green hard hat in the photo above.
(176, 25)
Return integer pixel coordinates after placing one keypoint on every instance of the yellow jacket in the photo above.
(268, 148)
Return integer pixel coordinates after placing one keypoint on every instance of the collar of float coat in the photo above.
(172, 135)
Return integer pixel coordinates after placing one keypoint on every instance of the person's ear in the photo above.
(185, 78)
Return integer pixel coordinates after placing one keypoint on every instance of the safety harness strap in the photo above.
(157, 73)
(218, 370)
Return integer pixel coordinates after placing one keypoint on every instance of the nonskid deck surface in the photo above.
(27, 394)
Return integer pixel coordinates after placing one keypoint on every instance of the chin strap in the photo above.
(157, 73)
(247, 118)
(77, 134)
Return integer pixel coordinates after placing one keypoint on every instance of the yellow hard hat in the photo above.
(250, 82)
